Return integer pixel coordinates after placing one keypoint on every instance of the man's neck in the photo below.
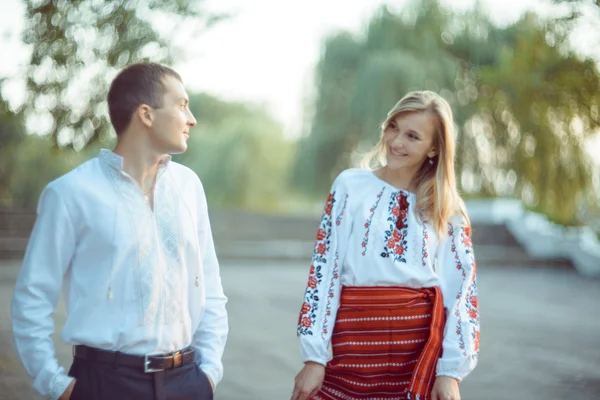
(139, 162)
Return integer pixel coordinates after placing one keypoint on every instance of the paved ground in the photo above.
(540, 334)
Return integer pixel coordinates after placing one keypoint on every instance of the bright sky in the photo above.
(267, 52)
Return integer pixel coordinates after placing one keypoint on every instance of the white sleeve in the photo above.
(211, 335)
(457, 272)
(322, 294)
(47, 258)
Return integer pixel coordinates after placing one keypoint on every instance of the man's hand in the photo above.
(445, 388)
(309, 380)
(67, 393)
(212, 385)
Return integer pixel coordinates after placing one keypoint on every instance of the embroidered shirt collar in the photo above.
(116, 161)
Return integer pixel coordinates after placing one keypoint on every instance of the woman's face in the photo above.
(408, 140)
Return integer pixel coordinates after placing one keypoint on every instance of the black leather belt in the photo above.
(148, 363)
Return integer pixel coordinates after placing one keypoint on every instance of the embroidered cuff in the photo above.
(58, 385)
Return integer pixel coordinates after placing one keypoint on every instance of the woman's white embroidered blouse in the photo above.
(370, 236)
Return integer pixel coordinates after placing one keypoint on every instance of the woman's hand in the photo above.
(309, 380)
(445, 388)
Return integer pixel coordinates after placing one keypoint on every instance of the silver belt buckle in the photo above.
(147, 368)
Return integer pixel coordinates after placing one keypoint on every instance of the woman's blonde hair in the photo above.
(437, 196)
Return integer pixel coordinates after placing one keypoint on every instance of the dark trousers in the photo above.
(96, 381)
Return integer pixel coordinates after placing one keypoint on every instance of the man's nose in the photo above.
(191, 120)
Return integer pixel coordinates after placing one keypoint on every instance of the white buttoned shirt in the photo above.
(135, 279)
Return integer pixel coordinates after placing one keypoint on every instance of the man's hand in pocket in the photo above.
(67, 393)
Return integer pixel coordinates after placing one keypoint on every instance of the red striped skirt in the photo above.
(386, 342)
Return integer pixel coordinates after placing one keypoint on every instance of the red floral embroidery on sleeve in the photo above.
(308, 313)
(472, 303)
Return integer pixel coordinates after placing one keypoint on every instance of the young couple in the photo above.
(126, 238)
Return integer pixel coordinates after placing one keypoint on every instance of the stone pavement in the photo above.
(540, 334)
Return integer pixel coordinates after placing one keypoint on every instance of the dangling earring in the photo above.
(431, 161)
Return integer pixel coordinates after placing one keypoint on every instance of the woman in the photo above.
(392, 283)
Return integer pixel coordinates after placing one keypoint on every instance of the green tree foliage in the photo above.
(239, 153)
(77, 46)
(29, 162)
(11, 136)
(36, 163)
(359, 79)
(524, 103)
(540, 107)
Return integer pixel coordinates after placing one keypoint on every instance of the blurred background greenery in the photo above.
(526, 104)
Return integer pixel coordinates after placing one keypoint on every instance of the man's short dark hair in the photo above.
(136, 84)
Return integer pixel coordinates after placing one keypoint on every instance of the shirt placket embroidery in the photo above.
(158, 272)
(167, 221)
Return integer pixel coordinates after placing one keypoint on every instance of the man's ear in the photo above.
(144, 114)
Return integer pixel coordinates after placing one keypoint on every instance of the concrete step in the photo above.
(303, 250)
(16, 223)
(14, 249)
(513, 255)
(243, 235)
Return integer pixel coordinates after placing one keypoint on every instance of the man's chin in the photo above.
(177, 149)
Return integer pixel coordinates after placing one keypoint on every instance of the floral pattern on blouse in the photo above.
(395, 237)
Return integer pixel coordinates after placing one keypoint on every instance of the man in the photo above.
(126, 237)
